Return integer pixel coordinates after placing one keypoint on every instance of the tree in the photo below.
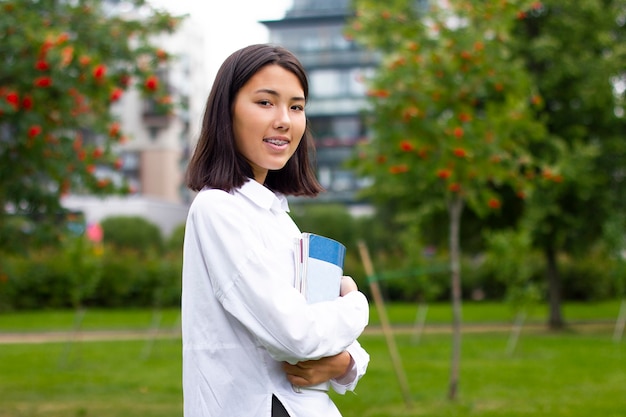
(65, 64)
(575, 53)
(451, 116)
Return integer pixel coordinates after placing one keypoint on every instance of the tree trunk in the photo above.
(455, 209)
(555, 320)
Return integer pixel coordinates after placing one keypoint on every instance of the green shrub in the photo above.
(128, 281)
(122, 273)
(134, 270)
(336, 222)
(330, 220)
(174, 243)
(132, 232)
(35, 281)
(588, 278)
(120, 278)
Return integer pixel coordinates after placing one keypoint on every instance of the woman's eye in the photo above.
(265, 103)
(297, 107)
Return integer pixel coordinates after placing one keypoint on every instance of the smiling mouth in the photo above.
(277, 142)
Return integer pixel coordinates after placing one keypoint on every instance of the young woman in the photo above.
(250, 340)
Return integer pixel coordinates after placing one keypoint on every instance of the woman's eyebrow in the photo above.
(275, 93)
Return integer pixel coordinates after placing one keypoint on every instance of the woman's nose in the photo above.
(283, 118)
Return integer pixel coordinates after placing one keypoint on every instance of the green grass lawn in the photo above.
(555, 375)
(103, 379)
(492, 312)
(91, 319)
(399, 313)
(580, 372)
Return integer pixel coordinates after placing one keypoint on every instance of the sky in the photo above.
(228, 24)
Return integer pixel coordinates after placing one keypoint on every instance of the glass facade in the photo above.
(337, 68)
(337, 82)
(322, 37)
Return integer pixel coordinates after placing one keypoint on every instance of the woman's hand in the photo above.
(304, 374)
(347, 285)
(315, 372)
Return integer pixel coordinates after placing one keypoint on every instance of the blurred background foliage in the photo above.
(143, 269)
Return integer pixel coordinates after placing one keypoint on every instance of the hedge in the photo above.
(147, 273)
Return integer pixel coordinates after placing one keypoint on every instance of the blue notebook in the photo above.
(319, 267)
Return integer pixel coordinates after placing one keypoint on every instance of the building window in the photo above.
(337, 130)
(340, 42)
(329, 83)
(322, 38)
(326, 83)
(357, 80)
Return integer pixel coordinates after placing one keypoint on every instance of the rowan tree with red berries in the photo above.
(452, 115)
(65, 64)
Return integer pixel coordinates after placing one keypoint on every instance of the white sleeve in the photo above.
(243, 276)
(360, 360)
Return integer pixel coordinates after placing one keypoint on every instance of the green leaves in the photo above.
(574, 53)
(453, 107)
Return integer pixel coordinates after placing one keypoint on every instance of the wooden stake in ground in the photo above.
(420, 320)
(455, 208)
(155, 326)
(516, 329)
(621, 321)
(384, 321)
(78, 322)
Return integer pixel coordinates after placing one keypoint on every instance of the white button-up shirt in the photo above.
(241, 316)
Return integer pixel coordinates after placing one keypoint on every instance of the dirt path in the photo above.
(113, 335)
(83, 336)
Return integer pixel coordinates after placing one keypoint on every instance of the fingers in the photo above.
(298, 381)
(313, 372)
(301, 374)
(347, 285)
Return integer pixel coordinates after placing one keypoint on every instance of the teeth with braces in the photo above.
(276, 141)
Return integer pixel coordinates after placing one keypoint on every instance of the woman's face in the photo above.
(268, 119)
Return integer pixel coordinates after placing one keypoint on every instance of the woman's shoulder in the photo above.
(209, 197)
(214, 201)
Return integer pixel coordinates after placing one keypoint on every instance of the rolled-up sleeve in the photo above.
(360, 360)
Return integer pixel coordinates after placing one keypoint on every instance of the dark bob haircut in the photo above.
(216, 163)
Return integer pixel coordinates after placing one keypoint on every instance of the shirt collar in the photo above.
(263, 196)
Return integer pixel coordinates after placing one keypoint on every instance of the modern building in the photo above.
(314, 31)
